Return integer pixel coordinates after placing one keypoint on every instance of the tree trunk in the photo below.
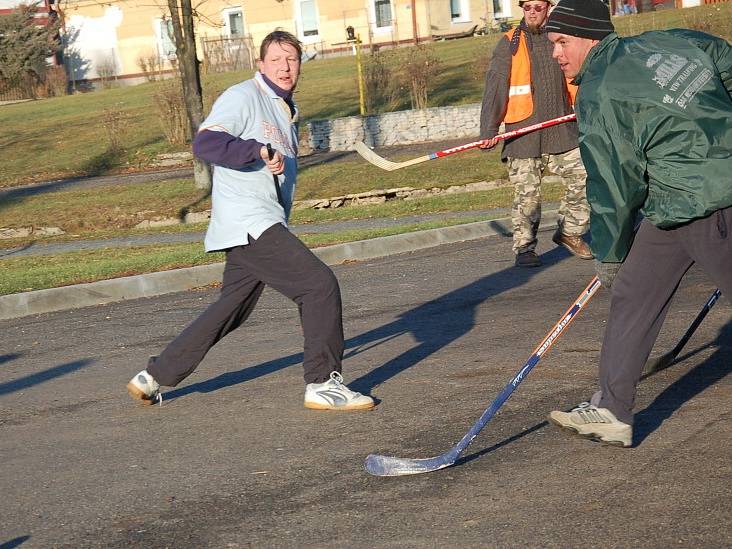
(185, 48)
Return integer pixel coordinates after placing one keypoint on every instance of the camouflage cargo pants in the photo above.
(526, 175)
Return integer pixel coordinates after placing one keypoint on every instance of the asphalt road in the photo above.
(232, 459)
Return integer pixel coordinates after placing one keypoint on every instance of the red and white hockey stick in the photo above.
(369, 155)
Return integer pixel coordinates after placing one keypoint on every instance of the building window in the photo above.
(166, 42)
(382, 13)
(233, 22)
(308, 18)
(460, 11)
(236, 24)
(501, 9)
(454, 9)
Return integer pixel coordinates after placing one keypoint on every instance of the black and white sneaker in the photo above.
(334, 395)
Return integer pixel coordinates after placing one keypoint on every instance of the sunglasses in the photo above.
(538, 8)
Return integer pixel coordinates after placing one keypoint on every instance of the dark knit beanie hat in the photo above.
(582, 18)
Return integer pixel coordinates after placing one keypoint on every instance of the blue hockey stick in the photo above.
(387, 466)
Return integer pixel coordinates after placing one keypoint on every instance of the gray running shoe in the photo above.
(599, 424)
(334, 395)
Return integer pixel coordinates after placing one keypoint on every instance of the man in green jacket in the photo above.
(655, 124)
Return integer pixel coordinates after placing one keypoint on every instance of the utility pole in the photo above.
(415, 32)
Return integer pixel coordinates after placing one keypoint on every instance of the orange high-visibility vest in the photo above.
(520, 102)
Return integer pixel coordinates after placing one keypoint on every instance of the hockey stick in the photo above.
(386, 466)
(370, 156)
(270, 153)
(664, 361)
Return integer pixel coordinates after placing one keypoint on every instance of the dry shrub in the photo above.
(381, 86)
(210, 97)
(57, 82)
(171, 111)
(419, 67)
(107, 71)
(151, 65)
(115, 123)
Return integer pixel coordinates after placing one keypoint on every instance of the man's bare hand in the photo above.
(488, 143)
(277, 164)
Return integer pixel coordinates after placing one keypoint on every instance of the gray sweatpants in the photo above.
(642, 292)
(280, 260)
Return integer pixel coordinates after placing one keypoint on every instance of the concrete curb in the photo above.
(153, 284)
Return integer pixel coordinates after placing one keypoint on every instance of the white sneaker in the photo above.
(334, 395)
(589, 421)
(144, 387)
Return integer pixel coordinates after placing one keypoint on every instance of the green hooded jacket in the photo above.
(655, 122)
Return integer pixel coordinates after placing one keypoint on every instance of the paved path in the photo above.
(60, 185)
(232, 459)
(321, 157)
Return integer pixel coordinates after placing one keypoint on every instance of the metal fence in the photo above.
(52, 83)
(227, 54)
(9, 92)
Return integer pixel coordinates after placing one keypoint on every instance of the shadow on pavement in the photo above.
(434, 325)
(706, 374)
(504, 442)
(11, 251)
(16, 542)
(234, 378)
(45, 375)
(10, 356)
(441, 321)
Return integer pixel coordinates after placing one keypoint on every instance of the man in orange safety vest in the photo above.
(524, 85)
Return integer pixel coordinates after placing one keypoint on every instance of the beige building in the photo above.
(124, 38)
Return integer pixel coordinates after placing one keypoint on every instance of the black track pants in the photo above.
(280, 260)
(642, 292)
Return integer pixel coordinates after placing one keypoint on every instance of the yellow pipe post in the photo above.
(361, 97)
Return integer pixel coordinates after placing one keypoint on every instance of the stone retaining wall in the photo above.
(378, 196)
(395, 128)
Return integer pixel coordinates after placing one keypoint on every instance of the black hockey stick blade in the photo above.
(662, 362)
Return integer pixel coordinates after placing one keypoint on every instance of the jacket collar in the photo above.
(271, 89)
(287, 104)
(606, 43)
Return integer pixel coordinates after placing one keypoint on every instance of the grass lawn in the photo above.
(33, 273)
(115, 210)
(65, 136)
(27, 274)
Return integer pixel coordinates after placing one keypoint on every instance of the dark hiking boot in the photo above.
(574, 244)
(528, 259)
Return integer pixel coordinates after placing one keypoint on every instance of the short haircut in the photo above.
(279, 37)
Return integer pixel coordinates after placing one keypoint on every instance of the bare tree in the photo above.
(181, 16)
